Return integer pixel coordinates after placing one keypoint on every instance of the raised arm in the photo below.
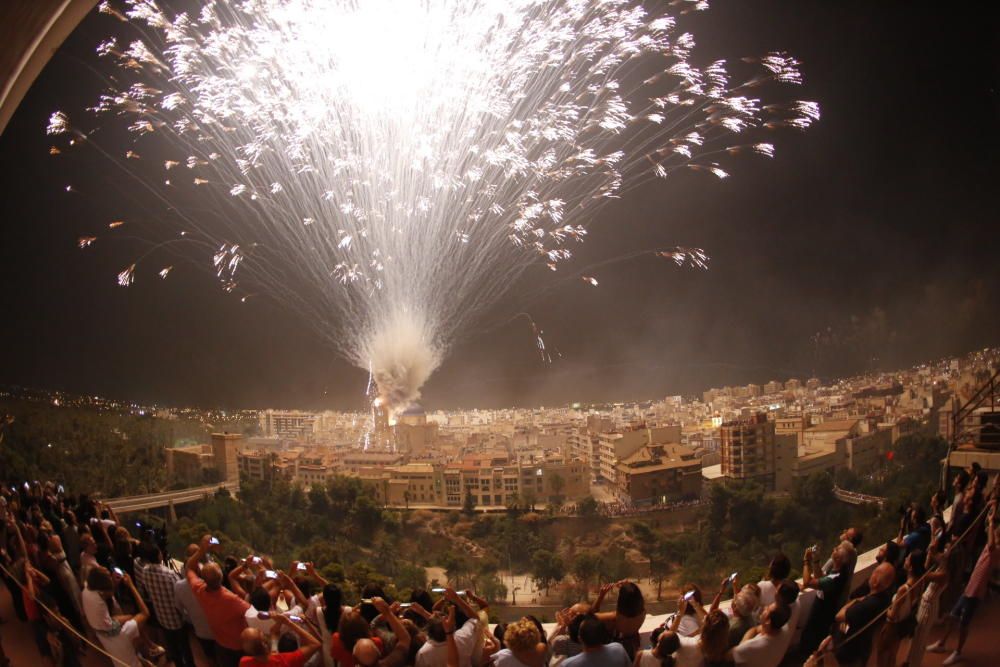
(398, 629)
(456, 599)
(290, 585)
(449, 631)
(596, 607)
(234, 578)
(308, 643)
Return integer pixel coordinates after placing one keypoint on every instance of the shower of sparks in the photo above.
(693, 257)
(393, 163)
(85, 241)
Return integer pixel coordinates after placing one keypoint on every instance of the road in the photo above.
(154, 500)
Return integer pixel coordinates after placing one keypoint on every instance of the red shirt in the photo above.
(293, 659)
(225, 611)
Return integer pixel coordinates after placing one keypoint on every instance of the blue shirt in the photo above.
(609, 655)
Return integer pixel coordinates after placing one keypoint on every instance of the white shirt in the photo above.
(688, 626)
(761, 651)
(118, 640)
(767, 592)
(689, 653)
(255, 621)
(187, 603)
(435, 654)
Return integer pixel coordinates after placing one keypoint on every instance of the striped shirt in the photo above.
(159, 580)
(981, 574)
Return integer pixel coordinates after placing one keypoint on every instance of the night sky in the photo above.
(875, 229)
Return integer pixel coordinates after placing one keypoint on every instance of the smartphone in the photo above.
(366, 600)
(263, 615)
(814, 548)
(256, 560)
(118, 571)
(138, 524)
(60, 489)
(405, 605)
(301, 567)
(214, 541)
(689, 595)
(732, 577)
(438, 590)
(293, 617)
(270, 574)
(93, 519)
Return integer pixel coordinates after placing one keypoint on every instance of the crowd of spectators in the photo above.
(83, 581)
(623, 508)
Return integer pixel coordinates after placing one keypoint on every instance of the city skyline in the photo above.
(864, 231)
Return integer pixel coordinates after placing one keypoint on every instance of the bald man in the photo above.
(859, 614)
(257, 645)
(225, 611)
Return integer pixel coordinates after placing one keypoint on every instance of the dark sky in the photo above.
(877, 227)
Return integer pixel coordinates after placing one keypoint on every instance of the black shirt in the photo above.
(859, 615)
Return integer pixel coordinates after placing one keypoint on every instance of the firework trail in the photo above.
(390, 167)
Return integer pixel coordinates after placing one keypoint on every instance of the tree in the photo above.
(456, 568)
(468, 504)
(587, 507)
(585, 568)
(547, 569)
(491, 587)
(660, 558)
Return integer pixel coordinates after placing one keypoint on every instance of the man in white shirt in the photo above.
(434, 652)
(764, 646)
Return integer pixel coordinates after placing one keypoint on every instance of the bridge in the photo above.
(852, 498)
(169, 498)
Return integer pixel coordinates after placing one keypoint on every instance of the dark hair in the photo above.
(788, 592)
(918, 515)
(780, 567)
(574, 628)
(498, 633)
(353, 627)
(891, 552)
(667, 644)
(99, 579)
(593, 632)
(858, 536)
(538, 624)
(333, 601)
(287, 643)
(422, 597)
(918, 561)
(779, 616)
(435, 628)
(372, 590)
(260, 599)
(630, 600)
(962, 478)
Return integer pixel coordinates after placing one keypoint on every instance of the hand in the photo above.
(127, 579)
(449, 621)
(724, 584)
(381, 606)
(206, 543)
(681, 604)
(605, 589)
(450, 594)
